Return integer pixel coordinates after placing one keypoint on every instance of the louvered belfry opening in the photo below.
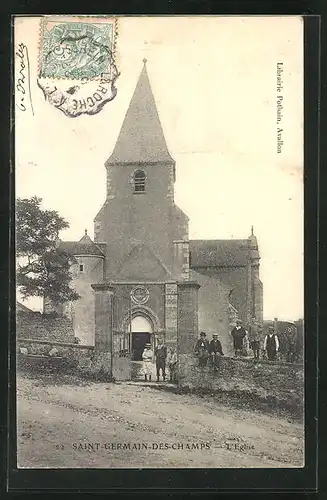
(139, 181)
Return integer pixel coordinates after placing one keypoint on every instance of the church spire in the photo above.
(141, 138)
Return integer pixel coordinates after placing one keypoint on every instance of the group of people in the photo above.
(163, 358)
(243, 340)
(205, 350)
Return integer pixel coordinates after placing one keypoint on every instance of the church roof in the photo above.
(85, 246)
(141, 138)
(218, 253)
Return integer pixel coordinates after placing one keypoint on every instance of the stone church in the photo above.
(142, 250)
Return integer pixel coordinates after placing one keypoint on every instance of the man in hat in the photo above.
(271, 344)
(147, 357)
(215, 350)
(255, 332)
(202, 349)
(161, 355)
(238, 333)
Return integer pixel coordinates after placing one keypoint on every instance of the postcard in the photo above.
(159, 241)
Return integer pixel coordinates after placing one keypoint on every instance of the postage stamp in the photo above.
(76, 49)
(77, 70)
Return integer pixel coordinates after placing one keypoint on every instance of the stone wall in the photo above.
(86, 271)
(38, 357)
(213, 309)
(187, 318)
(258, 299)
(171, 314)
(235, 278)
(281, 382)
(128, 219)
(34, 325)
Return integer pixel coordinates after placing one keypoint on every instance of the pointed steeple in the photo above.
(141, 137)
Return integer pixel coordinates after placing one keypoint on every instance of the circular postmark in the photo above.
(77, 98)
(140, 294)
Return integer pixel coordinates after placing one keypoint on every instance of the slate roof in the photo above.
(218, 253)
(83, 247)
(141, 138)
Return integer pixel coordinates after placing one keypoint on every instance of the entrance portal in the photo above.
(141, 334)
(138, 343)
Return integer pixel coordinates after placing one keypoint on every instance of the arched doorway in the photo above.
(141, 333)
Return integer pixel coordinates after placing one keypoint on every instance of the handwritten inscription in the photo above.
(20, 86)
(23, 84)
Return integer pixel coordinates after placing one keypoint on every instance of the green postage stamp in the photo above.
(76, 49)
(77, 70)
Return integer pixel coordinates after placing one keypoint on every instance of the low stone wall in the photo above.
(34, 325)
(99, 367)
(282, 383)
(34, 356)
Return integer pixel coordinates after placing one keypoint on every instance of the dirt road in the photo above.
(100, 425)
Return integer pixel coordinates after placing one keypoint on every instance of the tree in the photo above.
(43, 270)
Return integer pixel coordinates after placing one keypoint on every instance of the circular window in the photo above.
(140, 294)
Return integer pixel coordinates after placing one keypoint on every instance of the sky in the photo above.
(214, 80)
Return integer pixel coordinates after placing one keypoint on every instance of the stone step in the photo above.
(150, 384)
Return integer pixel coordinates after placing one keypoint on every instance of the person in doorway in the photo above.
(161, 356)
(216, 351)
(202, 349)
(238, 333)
(255, 338)
(147, 357)
(172, 364)
(271, 344)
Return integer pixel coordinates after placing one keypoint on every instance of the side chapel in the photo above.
(142, 248)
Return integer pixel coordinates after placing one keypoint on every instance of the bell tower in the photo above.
(139, 220)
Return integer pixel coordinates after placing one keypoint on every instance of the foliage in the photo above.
(43, 270)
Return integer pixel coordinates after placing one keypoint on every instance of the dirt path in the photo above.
(119, 425)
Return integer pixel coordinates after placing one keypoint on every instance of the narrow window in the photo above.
(139, 181)
(81, 267)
